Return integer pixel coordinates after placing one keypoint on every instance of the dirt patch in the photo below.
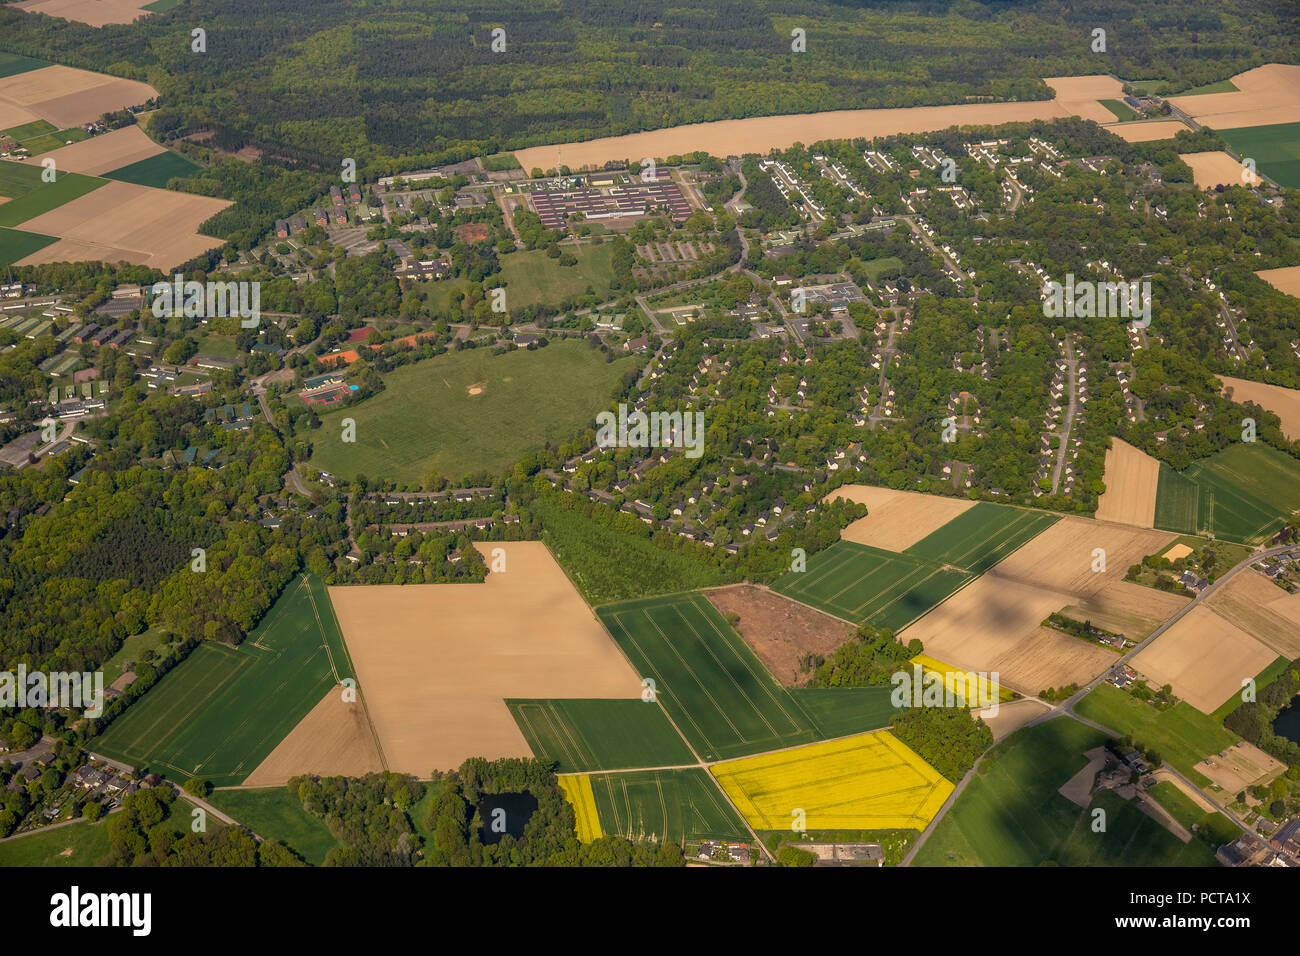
(1131, 478)
(1078, 789)
(1011, 716)
(476, 388)
(1283, 402)
(1240, 766)
(1204, 657)
(96, 13)
(333, 740)
(1265, 95)
(780, 631)
(1147, 132)
(897, 523)
(1247, 601)
(435, 662)
(1176, 552)
(1075, 96)
(1286, 279)
(105, 153)
(1217, 168)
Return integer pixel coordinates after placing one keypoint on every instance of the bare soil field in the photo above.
(1075, 96)
(1129, 609)
(1247, 601)
(1288, 605)
(1147, 132)
(96, 13)
(1285, 280)
(334, 739)
(1078, 789)
(11, 114)
(1284, 402)
(1240, 766)
(1265, 95)
(106, 152)
(1011, 716)
(873, 496)
(1131, 478)
(779, 630)
(147, 226)
(435, 662)
(69, 97)
(1176, 552)
(1204, 658)
(1216, 168)
(899, 522)
(1061, 558)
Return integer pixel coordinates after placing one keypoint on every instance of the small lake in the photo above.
(504, 813)
(1287, 723)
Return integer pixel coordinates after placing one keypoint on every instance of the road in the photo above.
(1072, 371)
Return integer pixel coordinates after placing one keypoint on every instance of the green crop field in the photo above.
(1012, 815)
(30, 197)
(275, 813)
(982, 536)
(11, 64)
(161, 6)
(1244, 493)
(30, 130)
(156, 170)
(711, 684)
(1121, 110)
(599, 734)
(1182, 735)
(1275, 150)
(867, 585)
(532, 277)
(55, 140)
(676, 805)
(15, 245)
(426, 420)
(220, 712)
(841, 711)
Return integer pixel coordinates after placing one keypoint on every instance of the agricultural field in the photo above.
(1250, 601)
(427, 419)
(1267, 95)
(155, 170)
(96, 13)
(29, 197)
(577, 790)
(580, 735)
(1012, 814)
(676, 805)
(1181, 735)
(15, 245)
(866, 585)
(841, 711)
(1275, 150)
(335, 739)
(710, 683)
(1147, 131)
(1121, 110)
(276, 813)
(1217, 168)
(1131, 480)
(1243, 494)
(896, 520)
(533, 278)
(11, 64)
(1286, 279)
(220, 712)
(108, 151)
(979, 538)
(781, 632)
(869, 782)
(955, 682)
(1283, 402)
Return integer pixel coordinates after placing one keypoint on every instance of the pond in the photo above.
(504, 813)
(1287, 723)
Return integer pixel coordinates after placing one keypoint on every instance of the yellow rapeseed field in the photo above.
(577, 790)
(954, 679)
(866, 782)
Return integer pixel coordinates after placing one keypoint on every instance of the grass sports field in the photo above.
(15, 245)
(599, 734)
(1012, 815)
(532, 277)
(156, 170)
(675, 805)
(275, 813)
(30, 197)
(1181, 735)
(219, 713)
(1275, 150)
(427, 420)
(577, 790)
(1244, 493)
(706, 677)
(977, 539)
(869, 782)
(868, 585)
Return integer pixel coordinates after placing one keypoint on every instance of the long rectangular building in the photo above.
(554, 207)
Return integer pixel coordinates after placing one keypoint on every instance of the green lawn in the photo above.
(1182, 735)
(867, 585)
(134, 649)
(219, 713)
(274, 813)
(1242, 494)
(426, 420)
(581, 735)
(876, 267)
(15, 245)
(30, 197)
(222, 346)
(1222, 86)
(156, 170)
(532, 277)
(1121, 110)
(1012, 815)
(676, 805)
(30, 130)
(1275, 149)
(88, 842)
(706, 677)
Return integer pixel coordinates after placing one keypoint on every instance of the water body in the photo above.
(504, 813)
(1287, 723)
